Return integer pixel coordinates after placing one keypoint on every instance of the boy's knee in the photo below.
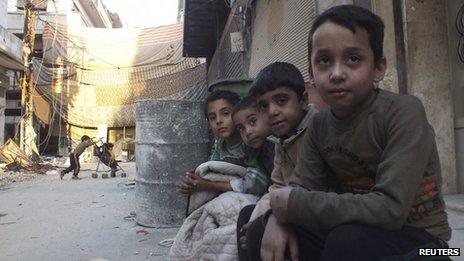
(349, 241)
(245, 212)
(243, 218)
(255, 233)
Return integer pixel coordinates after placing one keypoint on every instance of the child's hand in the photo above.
(243, 238)
(275, 240)
(197, 181)
(186, 185)
(190, 183)
(279, 203)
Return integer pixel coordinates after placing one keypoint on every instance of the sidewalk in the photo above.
(455, 210)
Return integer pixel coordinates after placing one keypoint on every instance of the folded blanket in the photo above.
(214, 171)
(209, 233)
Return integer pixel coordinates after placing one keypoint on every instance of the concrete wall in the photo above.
(11, 45)
(4, 80)
(3, 12)
(428, 72)
(384, 9)
(457, 86)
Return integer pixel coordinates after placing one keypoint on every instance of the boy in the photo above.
(254, 129)
(374, 149)
(86, 141)
(208, 233)
(280, 93)
(228, 147)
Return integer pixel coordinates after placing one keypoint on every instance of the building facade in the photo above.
(71, 13)
(10, 62)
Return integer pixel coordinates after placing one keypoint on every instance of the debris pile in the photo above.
(17, 166)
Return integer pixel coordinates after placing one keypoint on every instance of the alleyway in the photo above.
(88, 219)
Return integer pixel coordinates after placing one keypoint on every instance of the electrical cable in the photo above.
(77, 46)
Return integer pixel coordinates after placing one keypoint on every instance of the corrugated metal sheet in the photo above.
(279, 33)
(226, 64)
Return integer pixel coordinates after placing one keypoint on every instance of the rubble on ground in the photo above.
(12, 177)
(14, 172)
(17, 166)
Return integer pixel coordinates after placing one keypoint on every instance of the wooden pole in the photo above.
(28, 135)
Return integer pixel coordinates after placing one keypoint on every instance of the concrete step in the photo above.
(455, 202)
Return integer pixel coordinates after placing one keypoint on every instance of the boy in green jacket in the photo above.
(368, 182)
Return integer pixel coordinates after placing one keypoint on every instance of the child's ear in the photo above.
(380, 70)
(304, 101)
(311, 75)
(311, 83)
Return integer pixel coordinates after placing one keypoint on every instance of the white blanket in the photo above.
(214, 171)
(209, 232)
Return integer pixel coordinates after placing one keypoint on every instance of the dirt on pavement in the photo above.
(88, 219)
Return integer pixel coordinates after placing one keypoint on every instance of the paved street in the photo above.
(50, 219)
(456, 220)
(89, 219)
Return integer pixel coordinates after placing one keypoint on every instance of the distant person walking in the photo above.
(86, 141)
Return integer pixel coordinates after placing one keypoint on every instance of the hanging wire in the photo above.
(76, 45)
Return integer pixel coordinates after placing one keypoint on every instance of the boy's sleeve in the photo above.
(310, 171)
(255, 182)
(276, 175)
(410, 144)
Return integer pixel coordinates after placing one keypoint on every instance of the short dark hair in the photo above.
(85, 137)
(350, 17)
(245, 103)
(278, 74)
(229, 96)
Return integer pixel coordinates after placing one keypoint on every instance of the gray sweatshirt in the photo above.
(380, 165)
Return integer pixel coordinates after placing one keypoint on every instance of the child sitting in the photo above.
(228, 147)
(86, 141)
(280, 93)
(254, 129)
(208, 233)
(372, 149)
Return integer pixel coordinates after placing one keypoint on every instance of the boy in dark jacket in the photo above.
(86, 141)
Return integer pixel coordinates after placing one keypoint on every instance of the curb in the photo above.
(455, 207)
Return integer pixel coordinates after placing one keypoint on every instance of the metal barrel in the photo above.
(171, 138)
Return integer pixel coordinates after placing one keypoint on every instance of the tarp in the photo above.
(94, 76)
(113, 48)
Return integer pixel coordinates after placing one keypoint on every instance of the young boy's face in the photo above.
(283, 109)
(219, 118)
(252, 126)
(342, 66)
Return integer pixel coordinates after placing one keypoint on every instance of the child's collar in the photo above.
(362, 107)
(297, 132)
